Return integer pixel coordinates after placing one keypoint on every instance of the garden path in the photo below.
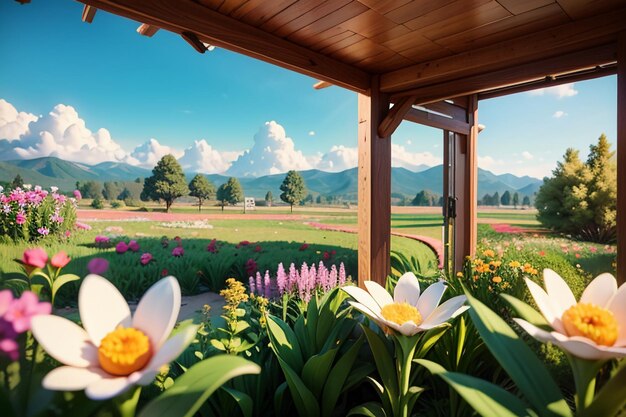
(117, 215)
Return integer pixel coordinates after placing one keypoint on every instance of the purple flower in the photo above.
(281, 279)
(178, 251)
(133, 245)
(294, 277)
(252, 285)
(98, 266)
(77, 195)
(8, 344)
(44, 231)
(267, 285)
(145, 258)
(20, 218)
(6, 208)
(303, 283)
(342, 275)
(259, 283)
(121, 247)
(332, 278)
(22, 310)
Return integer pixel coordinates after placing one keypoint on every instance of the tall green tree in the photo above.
(111, 190)
(17, 182)
(526, 201)
(515, 200)
(425, 198)
(91, 189)
(293, 188)
(495, 199)
(201, 188)
(269, 199)
(167, 182)
(506, 198)
(230, 192)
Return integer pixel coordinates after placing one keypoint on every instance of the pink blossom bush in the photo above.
(15, 318)
(178, 251)
(146, 258)
(121, 248)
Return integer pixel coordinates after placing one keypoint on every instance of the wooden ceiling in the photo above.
(419, 47)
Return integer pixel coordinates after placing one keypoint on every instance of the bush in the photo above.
(97, 203)
(117, 204)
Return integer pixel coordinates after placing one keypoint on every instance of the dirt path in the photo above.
(86, 215)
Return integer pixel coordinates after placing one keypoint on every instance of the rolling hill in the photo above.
(64, 174)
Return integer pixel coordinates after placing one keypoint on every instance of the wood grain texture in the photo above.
(374, 176)
(439, 122)
(219, 30)
(519, 7)
(89, 13)
(621, 159)
(395, 116)
(147, 30)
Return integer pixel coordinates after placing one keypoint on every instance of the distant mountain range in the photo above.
(50, 171)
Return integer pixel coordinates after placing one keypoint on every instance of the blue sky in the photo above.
(140, 88)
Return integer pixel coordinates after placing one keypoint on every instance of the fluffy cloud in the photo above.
(13, 124)
(339, 158)
(560, 91)
(521, 167)
(312, 133)
(413, 161)
(527, 155)
(201, 157)
(558, 114)
(272, 153)
(149, 153)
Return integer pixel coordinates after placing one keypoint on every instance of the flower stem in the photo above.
(127, 403)
(585, 380)
(406, 347)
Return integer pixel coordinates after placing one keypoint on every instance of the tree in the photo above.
(293, 188)
(17, 182)
(230, 192)
(526, 201)
(425, 198)
(506, 198)
(580, 197)
(269, 198)
(167, 182)
(201, 188)
(111, 190)
(495, 200)
(91, 189)
(515, 200)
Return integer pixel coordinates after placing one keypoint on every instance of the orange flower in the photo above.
(497, 280)
(489, 253)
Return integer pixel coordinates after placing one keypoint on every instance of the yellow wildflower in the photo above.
(489, 253)
(514, 264)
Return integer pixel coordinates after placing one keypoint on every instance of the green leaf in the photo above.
(528, 372)
(384, 363)
(279, 397)
(429, 339)
(610, 399)
(312, 315)
(303, 398)
(193, 388)
(316, 369)
(243, 400)
(486, 398)
(62, 280)
(368, 409)
(337, 378)
(526, 312)
(284, 343)
(241, 326)
(218, 345)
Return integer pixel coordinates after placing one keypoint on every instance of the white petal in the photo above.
(365, 310)
(407, 289)
(584, 348)
(172, 348)
(378, 293)
(409, 328)
(444, 312)
(600, 290)
(536, 332)
(362, 297)
(429, 300)
(545, 305)
(559, 293)
(69, 378)
(618, 307)
(106, 388)
(64, 340)
(102, 307)
(157, 311)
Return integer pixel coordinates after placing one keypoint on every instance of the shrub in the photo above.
(97, 203)
(117, 204)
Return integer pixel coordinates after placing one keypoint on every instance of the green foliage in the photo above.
(17, 182)
(269, 198)
(580, 198)
(425, 198)
(97, 203)
(111, 190)
(526, 201)
(230, 192)
(293, 188)
(91, 189)
(167, 182)
(516, 200)
(117, 204)
(506, 198)
(201, 188)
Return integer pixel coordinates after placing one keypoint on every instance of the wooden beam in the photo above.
(448, 109)
(193, 40)
(559, 64)
(437, 121)
(89, 12)
(621, 159)
(374, 215)
(228, 33)
(395, 116)
(321, 84)
(147, 30)
(566, 38)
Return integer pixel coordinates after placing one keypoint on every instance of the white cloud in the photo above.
(312, 133)
(527, 155)
(519, 167)
(272, 153)
(412, 161)
(408, 141)
(558, 114)
(339, 158)
(560, 91)
(13, 124)
(201, 157)
(150, 152)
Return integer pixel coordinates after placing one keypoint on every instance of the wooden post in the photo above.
(374, 187)
(621, 158)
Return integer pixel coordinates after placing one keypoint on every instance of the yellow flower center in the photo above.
(400, 313)
(124, 351)
(592, 322)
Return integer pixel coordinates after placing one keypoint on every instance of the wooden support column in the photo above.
(621, 159)
(374, 214)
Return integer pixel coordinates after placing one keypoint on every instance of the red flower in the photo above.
(211, 247)
(304, 246)
(59, 260)
(36, 257)
(164, 272)
(257, 248)
(542, 253)
(577, 255)
(326, 255)
(250, 266)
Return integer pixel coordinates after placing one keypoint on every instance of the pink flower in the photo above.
(178, 251)
(6, 298)
(36, 257)
(77, 195)
(98, 266)
(8, 344)
(211, 247)
(577, 255)
(121, 247)
(82, 226)
(20, 218)
(22, 310)
(593, 249)
(133, 245)
(145, 258)
(59, 260)
(44, 231)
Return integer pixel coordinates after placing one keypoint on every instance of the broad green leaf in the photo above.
(525, 311)
(218, 345)
(429, 339)
(384, 362)
(316, 369)
(284, 343)
(243, 400)
(62, 280)
(241, 326)
(341, 330)
(300, 330)
(303, 398)
(279, 398)
(338, 376)
(193, 388)
(41, 274)
(312, 316)
(610, 399)
(528, 372)
(486, 398)
(369, 410)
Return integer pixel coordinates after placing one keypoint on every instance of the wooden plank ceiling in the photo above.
(411, 43)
